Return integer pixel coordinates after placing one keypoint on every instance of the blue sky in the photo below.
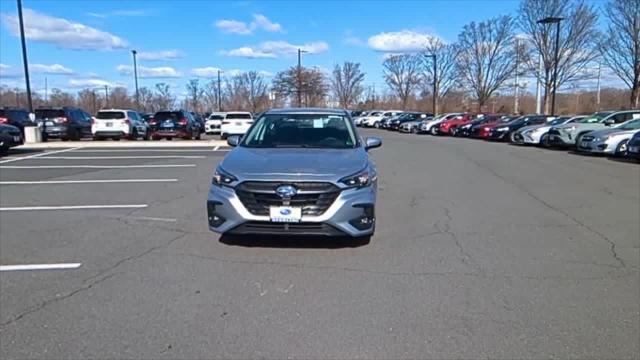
(80, 44)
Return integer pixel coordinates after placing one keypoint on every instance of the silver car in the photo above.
(539, 134)
(612, 141)
(296, 172)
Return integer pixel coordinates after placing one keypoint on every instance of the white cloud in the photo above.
(96, 15)
(233, 27)
(242, 28)
(85, 83)
(150, 72)
(400, 41)
(273, 49)
(54, 69)
(159, 55)
(208, 71)
(63, 33)
(9, 72)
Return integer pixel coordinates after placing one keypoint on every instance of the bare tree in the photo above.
(402, 74)
(255, 90)
(163, 99)
(235, 93)
(314, 85)
(346, 82)
(620, 46)
(577, 39)
(61, 98)
(146, 99)
(119, 98)
(446, 70)
(195, 93)
(487, 56)
(211, 95)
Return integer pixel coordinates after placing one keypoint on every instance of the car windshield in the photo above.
(301, 131)
(594, 118)
(216, 117)
(375, 114)
(558, 121)
(244, 116)
(167, 115)
(110, 115)
(630, 125)
(49, 114)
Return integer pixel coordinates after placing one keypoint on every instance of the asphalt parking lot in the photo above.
(482, 250)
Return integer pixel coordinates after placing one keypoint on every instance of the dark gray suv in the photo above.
(296, 172)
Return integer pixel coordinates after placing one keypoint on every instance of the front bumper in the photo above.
(497, 135)
(597, 147)
(561, 138)
(227, 214)
(11, 140)
(633, 151)
(212, 128)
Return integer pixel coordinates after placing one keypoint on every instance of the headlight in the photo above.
(222, 178)
(361, 179)
(570, 128)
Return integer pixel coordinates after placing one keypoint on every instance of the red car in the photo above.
(448, 127)
(482, 130)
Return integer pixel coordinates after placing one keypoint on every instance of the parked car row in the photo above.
(614, 133)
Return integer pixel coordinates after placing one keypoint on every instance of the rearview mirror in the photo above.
(372, 142)
(233, 140)
(609, 122)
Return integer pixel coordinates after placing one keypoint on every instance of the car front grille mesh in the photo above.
(313, 197)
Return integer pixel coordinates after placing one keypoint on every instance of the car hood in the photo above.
(609, 131)
(534, 127)
(294, 164)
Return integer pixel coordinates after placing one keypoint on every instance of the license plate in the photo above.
(168, 125)
(48, 123)
(238, 123)
(109, 124)
(285, 214)
(16, 139)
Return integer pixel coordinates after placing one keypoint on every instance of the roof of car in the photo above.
(307, 111)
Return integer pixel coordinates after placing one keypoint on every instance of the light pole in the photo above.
(24, 57)
(219, 93)
(135, 76)
(106, 96)
(300, 51)
(517, 85)
(435, 83)
(554, 20)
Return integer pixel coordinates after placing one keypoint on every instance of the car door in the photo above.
(86, 126)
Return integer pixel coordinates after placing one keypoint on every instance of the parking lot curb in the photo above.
(123, 144)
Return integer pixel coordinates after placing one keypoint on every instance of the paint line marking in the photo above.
(145, 218)
(216, 148)
(73, 207)
(86, 181)
(62, 266)
(37, 155)
(85, 150)
(99, 166)
(122, 157)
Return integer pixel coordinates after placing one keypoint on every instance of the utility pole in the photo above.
(46, 91)
(93, 91)
(106, 96)
(24, 57)
(135, 75)
(300, 51)
(554, 20)
(598, 92)
(538, 87)
(435, 83)
(219, 93)
(517, 85)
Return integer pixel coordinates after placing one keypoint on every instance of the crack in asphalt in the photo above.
(446, 229)
(612, 245)
(95, 280)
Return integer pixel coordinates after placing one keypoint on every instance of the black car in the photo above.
(16, 117)
(394, 124)
(466, 129)
(199, 120)
(10, 136)
(505, 131)
(354, 113)
(174, 124)
(65, 123)
(633, 147)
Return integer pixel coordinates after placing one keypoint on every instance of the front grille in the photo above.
(313, 197)
(260, 227)
(587, 138)
(554, 132)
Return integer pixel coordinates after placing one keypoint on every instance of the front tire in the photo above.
(433, 131)
(377, 125)
(544, 141)
(621, 149)
(414, 130)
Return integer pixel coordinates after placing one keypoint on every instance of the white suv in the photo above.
(213, 123)
(117, 124)
(235, 123)
(373, 120)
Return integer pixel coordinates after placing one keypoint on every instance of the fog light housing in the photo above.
(214, 218)
(366, 220)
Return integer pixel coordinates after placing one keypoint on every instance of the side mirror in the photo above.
(233, 140)
(372, 142)
(609, 122)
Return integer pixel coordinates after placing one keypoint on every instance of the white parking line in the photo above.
(63, 266)
(147, 150)
(216, 148)
(145, 218)
(86, 181)
(99, 166)
(73, 207)
(122, 157)
(36, 155)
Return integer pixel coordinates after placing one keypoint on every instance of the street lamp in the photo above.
(554, 20)
(106, 96)
(135, 76)
(300, 51)
(219, 93)
(435, 83)
(24, 56)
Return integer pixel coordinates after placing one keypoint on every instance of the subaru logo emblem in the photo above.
(285, 212)
(286, 191)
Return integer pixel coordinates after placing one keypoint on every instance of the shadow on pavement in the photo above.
(627, 160)
(18, 152)
(303, 242)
